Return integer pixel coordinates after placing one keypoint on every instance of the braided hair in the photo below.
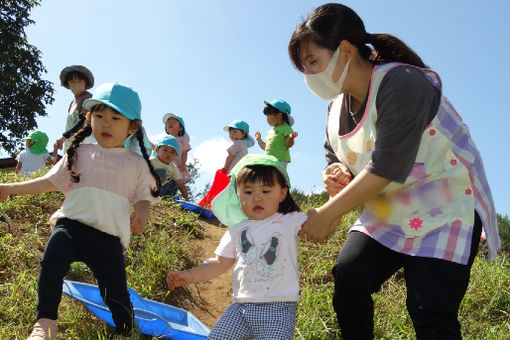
(156, 191)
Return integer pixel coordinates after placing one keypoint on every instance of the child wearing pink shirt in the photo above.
(101, 182)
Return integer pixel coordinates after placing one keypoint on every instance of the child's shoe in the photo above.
(44, 329)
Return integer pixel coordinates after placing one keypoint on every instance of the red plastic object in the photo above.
(220, 182)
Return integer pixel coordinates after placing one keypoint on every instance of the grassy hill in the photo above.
(484, 313)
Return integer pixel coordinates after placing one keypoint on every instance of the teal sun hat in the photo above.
(243, 126)
(170, 141)
(226, 205)
(282, 106)
(167, 116)
(119, 97)
(40, 140)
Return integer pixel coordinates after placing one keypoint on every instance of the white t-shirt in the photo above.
(266, 268)
(31, 162)
(238, 149)
(170, 169)
(111, 181)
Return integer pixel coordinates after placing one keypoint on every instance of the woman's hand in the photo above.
(335, 177)
(317, 227)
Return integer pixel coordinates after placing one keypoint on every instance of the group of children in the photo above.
(102, 182)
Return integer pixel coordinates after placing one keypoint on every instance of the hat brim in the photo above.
(171, 115)
(226, 205)
(77, 68)
(88, 104)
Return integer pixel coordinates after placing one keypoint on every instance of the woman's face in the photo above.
(314, 58)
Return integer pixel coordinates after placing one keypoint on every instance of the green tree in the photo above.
(23, 94)
(504, 232)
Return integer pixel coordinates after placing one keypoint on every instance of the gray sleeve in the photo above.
(406, 103)
(328, 150)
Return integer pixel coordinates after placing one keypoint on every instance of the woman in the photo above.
(415, 167)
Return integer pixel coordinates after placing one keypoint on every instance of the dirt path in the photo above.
(215, 295)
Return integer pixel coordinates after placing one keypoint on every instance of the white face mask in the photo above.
(322, 85)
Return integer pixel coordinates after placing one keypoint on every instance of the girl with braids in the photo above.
(415, 168)
(101, 182)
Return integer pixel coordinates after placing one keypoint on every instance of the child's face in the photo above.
(260, 201)
(110, 128)
(166, 153)
(275, 119)
(29, 143)
(236, 134)
(173, 127)
(77, 85)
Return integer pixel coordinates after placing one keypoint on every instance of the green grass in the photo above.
(484, 313)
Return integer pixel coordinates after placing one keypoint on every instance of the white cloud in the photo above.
(211, 154)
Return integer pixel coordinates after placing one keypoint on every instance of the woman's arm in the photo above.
(323, 220)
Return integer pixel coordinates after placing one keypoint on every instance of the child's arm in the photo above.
(289, 140)
(34, 186)
(184, 160)
(139, 216)
(228, 161)
(182, 188)
(204, 272)
(260, 141)
(18, 167)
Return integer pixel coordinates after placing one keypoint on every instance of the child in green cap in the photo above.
(35, 156)
(281, 136)
(262, 243)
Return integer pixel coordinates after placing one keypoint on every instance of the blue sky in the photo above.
(215, 61)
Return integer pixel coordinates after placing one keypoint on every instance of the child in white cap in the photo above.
(166, 151)
(78, 79)
(281, 136)
(174, 126)
(238, 132)
(102, 182)
(262, 243)
(35, 156)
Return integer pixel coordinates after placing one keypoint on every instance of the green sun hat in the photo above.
(226, 205)
(40, 140)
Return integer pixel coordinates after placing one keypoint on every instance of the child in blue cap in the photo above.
(262, 243)
(162, 161)
(281, 137)
(101, 182)
(174, 126)
(35, 156)
(238, 132)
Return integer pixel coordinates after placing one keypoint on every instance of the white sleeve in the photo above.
(226, 247)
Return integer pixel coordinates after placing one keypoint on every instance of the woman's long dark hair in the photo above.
(267, 175)
(86, 131)
(329, 24)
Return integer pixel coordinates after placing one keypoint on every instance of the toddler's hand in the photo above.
(294, 135)
(178, 279)
(138, 224)
(257, 135)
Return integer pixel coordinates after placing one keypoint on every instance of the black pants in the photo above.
(435, 287)
(74, 241)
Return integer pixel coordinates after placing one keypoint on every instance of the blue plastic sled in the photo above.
(152, 317)
(201, 211)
